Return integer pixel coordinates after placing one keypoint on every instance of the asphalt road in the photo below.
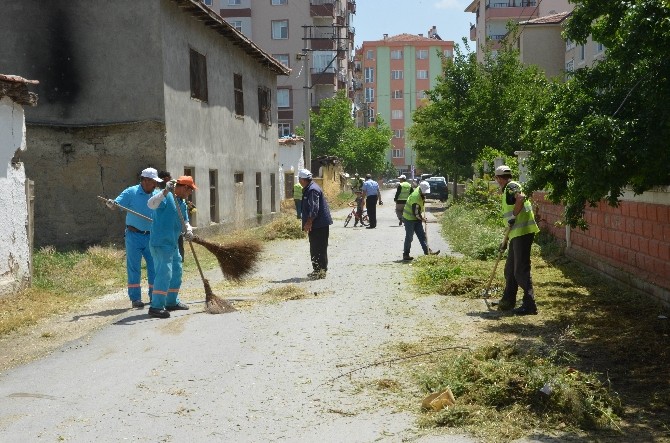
(265, 373)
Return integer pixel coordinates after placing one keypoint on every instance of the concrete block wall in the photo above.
(629, 243)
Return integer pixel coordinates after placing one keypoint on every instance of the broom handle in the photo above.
(126, 209)
(190, 243)
(500, 254)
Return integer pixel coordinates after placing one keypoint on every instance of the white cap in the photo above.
(402, 176)
(152, 174)
(503, 170)
(425, 187)
(304, 173)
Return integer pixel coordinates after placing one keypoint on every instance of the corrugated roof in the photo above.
(214, 21)
(552, 19)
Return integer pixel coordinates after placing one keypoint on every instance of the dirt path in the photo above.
(268, 372)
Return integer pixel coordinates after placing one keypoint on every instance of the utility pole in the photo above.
(308, 102)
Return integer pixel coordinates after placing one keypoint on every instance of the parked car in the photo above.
(438, 189)
(392, 183)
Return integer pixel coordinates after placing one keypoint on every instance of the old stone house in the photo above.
(129, 84)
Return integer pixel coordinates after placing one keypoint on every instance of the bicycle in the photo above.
(365, 221)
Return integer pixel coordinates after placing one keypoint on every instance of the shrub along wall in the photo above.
(629, 243)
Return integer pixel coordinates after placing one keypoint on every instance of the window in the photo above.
(190, 171)
(207, 2)
(324, 61)
(239, 94)
(234, 2)
(396, 153)
(369, 54)
(396, 75)
(448, 53)
(283, 98)
(198, 73)
(371, 115)
(396, 114)
(369, 95)
(569, 44)
(264, 106)
(279, 29)
(259, 194)
(396, 54)
(422, 54)
(273, 191)
(599, 47)
(422, 74)
(284, 129)
(398, 133)
(284, 59)
(397, 93)
(369, 75)
(213, 196)
(279, 2)
(421, 95)
(238, 177)
(582, 53)
(570, 66)
(237, 24)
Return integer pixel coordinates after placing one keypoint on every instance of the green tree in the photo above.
(333, 132)
(478, 105)
(608, 126)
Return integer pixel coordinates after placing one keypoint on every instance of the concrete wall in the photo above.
(15, 254)
(71, 166)
(543, 46)
(209, 136)
(97, 62)
(630, 243)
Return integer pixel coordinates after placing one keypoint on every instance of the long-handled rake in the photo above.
(485, 296)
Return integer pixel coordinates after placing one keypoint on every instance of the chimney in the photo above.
(386, 36)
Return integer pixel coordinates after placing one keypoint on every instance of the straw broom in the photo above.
(236, 261)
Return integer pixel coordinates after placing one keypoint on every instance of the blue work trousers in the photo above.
(414, 227)
(137, 246)
(168, 276)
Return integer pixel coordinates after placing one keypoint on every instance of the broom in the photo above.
(213, 304)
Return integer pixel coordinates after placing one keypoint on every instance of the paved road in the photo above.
(264, 373)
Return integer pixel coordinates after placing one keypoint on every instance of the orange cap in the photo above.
(187, 180)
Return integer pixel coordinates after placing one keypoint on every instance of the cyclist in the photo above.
(358, 203)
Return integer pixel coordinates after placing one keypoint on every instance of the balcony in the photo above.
(323, 77)
(351, 6)
(516, 10)
(322, 8)
(511, 4)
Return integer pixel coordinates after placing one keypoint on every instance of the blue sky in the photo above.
(374, 18)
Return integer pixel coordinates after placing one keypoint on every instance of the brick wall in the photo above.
(629, 243)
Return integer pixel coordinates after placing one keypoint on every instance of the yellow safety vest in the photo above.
(297, 192)
(405, 191)
(414, 198)
(525, 220)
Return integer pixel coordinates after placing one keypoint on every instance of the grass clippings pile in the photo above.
(503, 393)
(286, 292)
(285, 227)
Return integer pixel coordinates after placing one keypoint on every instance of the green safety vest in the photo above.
(405, 191)
(414, 198)
(525, 220)
(297, 192)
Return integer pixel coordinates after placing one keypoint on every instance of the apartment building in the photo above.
(288, 29)
(395, 73)
(492, 16)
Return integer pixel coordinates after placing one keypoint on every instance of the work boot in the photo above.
(505, 305)
(406, 257)
(178, 307)
(431, 252)
(158, 313)
(137, 304)
(526, 310)
(400, 223)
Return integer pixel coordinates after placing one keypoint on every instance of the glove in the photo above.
(111, 204)
(188, 235)
(171, 185)
(511, 221)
